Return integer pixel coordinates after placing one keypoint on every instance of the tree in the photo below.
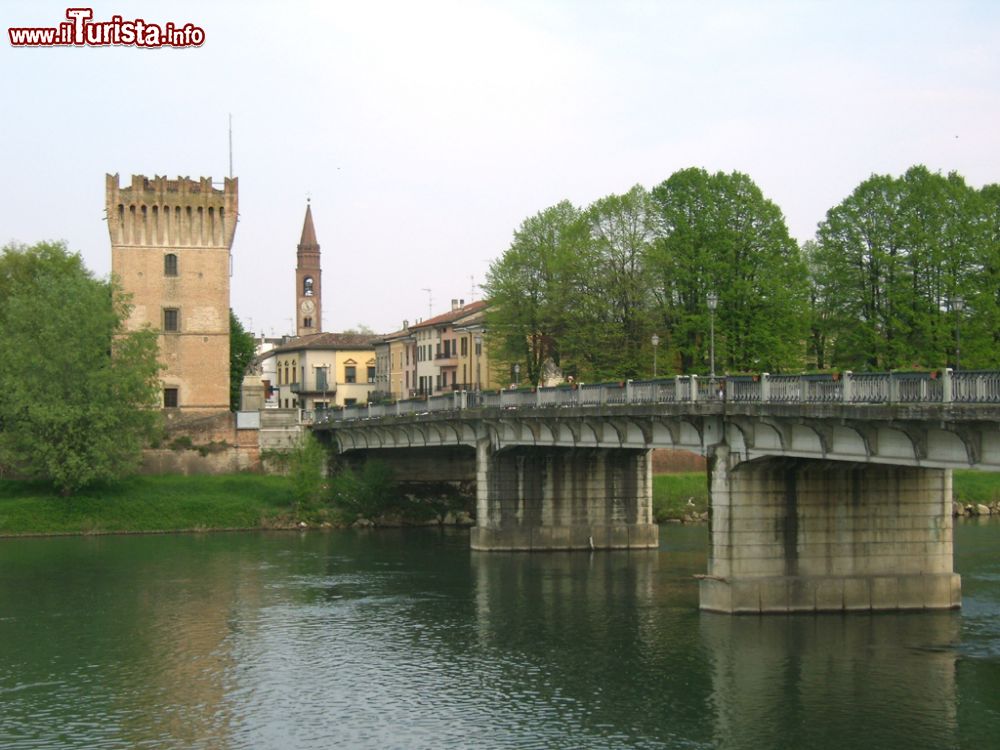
(241, 351)
(79, 390)
(533, 289)
(895, 256)
(717, 233)
(610, 334)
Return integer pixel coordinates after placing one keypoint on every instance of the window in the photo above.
(350, 374)
(307, 286)
(371, 374)
(169, 264)
(350, 401)
(465, 346)
(171, 319)
(307, 322)
(169, 398)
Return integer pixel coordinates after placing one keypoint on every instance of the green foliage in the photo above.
(367, 494)
(588, 288)
(79, 389)
(306, 468)
(534, 288)
(717, 233)
(891, 259)
(241, 351)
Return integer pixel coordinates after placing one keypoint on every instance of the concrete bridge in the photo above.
(828, 493)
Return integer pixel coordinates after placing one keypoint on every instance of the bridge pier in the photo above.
(538, 499)
(803, 535)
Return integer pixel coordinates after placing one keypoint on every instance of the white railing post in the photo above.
(538, 397)
(628, 391)
(946, 392)
(765, 387)
(694, 388)
(399, 409)
(845, 389)
(893, 389)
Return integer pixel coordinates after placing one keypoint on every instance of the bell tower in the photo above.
(308, 281)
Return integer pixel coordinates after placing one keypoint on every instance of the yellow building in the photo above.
(391, 351)
(325, 370)
(171, 244)
(474, 356)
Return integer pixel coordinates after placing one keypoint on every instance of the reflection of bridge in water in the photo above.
(828, 493)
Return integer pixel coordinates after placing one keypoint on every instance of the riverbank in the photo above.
(149, 504)
(165, 503)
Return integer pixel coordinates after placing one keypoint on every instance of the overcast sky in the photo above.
(425, 132)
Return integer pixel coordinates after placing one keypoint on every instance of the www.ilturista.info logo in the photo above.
(81, 31)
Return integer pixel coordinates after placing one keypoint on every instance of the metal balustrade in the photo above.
(967, 387)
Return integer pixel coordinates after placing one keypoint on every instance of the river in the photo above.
(406, 639)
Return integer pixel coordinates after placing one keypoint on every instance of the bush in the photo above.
(366, 494)
(306, 469)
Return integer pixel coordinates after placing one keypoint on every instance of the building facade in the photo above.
(324, 370)
(450, 354)
(171, 243)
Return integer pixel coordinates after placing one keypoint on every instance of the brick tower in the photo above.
(171, 243)
(308, 281)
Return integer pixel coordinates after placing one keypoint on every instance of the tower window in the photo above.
(169, 264)
(170, 400)
(307, 322)
(307, 286)
(171, 319)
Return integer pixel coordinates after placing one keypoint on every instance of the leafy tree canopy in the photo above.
(241, 351)
(79, 390)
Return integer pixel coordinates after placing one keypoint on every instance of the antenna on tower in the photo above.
(430, 303)
(472, 288)
(230, 145)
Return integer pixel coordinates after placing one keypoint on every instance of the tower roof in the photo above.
(308, 230)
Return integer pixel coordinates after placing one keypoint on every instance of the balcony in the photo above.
(446, 360)
(316, 388)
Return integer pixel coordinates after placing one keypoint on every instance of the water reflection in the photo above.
(406, 639)
(819, 681)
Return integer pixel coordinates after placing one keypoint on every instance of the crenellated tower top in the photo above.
(158, 212)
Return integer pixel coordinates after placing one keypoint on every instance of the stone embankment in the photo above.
(451, 518)
(975, 509)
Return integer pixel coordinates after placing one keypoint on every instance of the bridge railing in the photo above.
(976, 386)
(946, 386)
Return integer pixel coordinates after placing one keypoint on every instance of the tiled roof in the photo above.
(329, 341)
(451, 315)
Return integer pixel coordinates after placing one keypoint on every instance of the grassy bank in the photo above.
(252, 501)
(672, 492)
(146, 504)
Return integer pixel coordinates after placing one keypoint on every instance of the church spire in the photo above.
(308, 230)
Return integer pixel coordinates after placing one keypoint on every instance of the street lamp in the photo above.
(517, 374)
(958, 304)
(656, 342)
(479, 350)
(713, 301)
